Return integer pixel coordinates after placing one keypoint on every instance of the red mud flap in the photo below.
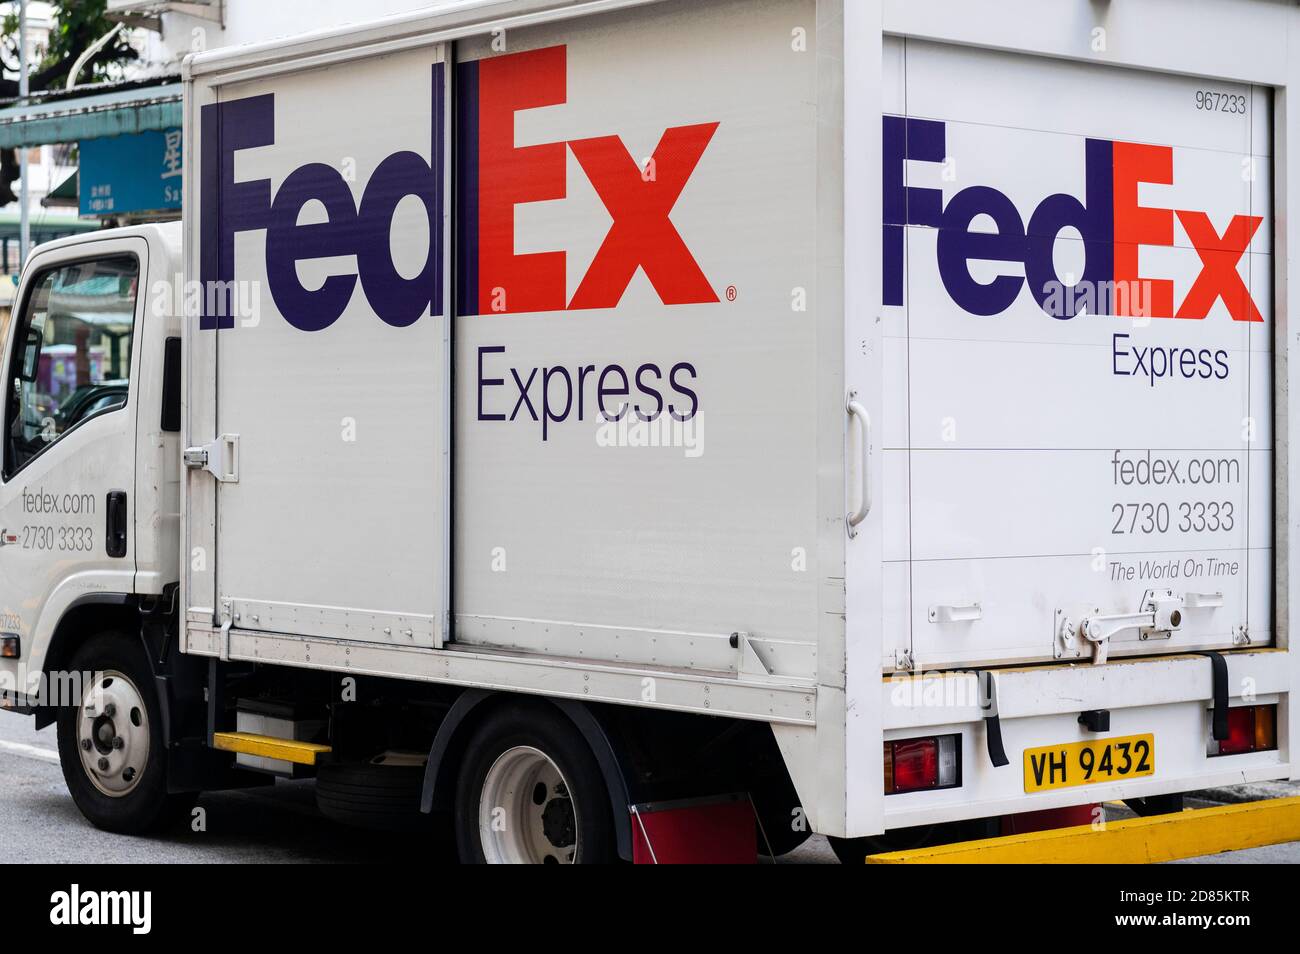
(701, 831)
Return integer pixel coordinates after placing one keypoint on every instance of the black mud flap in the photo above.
(992, 724)
(1219, 671)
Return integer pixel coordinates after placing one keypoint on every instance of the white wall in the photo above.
(253, 21)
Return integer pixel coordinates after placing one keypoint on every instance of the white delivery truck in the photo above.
(549, 411)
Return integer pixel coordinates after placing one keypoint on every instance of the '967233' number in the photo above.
(1210, 101)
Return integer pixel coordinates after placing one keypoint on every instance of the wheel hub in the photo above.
(558, 821)
(113, 733)
(103, 732)
(526, 814)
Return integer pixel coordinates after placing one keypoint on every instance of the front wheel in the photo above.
(530, 792)
(111, 742)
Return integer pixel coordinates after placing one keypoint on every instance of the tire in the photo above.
(129, 797)
(529, 790)
(369, 795)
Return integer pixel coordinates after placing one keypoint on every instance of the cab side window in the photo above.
(71, 355)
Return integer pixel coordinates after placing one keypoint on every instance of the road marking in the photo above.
(26, 751)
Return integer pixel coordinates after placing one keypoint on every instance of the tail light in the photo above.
(1250, 729)
(916, 765)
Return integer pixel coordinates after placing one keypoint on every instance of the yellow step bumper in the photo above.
(1188, 834)
(302, 753)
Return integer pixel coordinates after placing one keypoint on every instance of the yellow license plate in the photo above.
(1089, 763)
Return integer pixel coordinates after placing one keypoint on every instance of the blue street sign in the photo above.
(134, 173)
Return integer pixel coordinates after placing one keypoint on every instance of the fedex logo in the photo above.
(1112, 223)
(494, 177)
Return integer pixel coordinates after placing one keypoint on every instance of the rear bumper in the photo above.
(1188, 834)
(1170, 697)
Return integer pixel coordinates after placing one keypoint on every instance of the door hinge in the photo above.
(220, 458)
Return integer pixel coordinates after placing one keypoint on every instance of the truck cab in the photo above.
(89, 492)
(89, 501)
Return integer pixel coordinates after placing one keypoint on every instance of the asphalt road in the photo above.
(39, 823)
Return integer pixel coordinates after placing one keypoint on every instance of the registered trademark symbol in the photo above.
(731, 293)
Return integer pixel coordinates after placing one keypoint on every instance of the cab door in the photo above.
(67, 467)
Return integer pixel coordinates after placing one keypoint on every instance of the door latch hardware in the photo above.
(220, 458)
(1160, 616)
(227, 621)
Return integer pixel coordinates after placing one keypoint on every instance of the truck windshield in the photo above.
(72, 352)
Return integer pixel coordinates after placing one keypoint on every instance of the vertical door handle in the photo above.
(859, 413)
(115, 529)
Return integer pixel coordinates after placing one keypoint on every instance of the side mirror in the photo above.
(31, 355)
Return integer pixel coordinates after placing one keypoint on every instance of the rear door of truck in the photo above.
(1078, 350)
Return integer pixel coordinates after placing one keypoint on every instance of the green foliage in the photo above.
(76, 25)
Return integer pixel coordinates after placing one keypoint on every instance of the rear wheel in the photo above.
(111, 742)
(530, 792)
